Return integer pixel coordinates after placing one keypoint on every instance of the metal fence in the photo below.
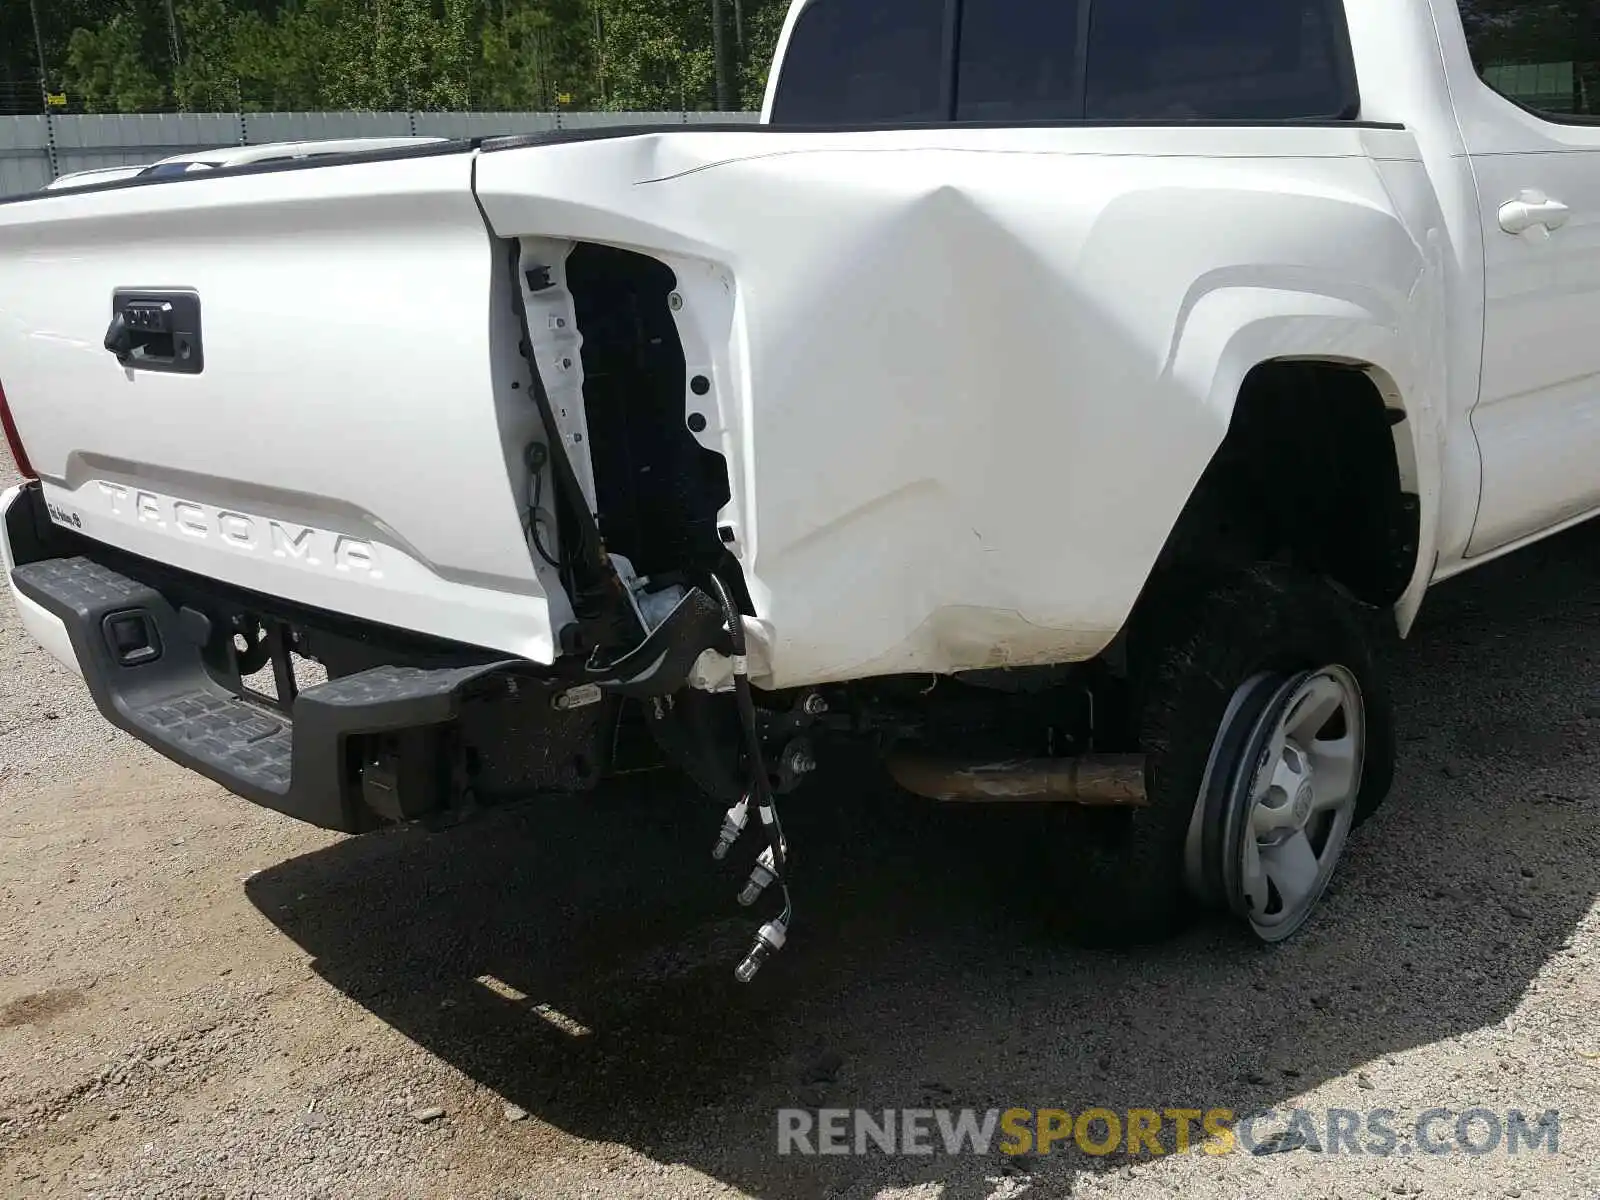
(36, 149)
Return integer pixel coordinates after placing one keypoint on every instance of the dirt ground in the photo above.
(200, 998)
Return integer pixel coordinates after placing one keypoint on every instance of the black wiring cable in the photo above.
(586, 573)
(760, 785)
(534, 513)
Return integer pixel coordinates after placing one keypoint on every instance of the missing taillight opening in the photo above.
(14, 439)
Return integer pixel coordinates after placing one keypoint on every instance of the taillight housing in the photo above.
(14, 439)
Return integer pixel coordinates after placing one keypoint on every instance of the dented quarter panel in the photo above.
(966, 379)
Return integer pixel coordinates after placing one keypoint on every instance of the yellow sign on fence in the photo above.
(56, 99)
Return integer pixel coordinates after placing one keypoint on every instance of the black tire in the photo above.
(1120, 873)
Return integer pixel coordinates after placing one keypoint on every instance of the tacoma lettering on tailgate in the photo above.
(263, 537)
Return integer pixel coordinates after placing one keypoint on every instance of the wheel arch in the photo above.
(1388, 356)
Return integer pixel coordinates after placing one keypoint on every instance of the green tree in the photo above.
(207, 79)
(282, 61)
(658, 54)
(115, 55)
(762, 25)
(532, 54)
(108, 70)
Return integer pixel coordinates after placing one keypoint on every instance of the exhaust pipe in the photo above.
(1100, 781)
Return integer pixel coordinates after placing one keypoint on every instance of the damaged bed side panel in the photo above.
(929, 352)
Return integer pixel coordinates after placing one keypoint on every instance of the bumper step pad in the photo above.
(231, 735)
(297, 765)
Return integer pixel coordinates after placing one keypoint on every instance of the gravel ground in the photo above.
(200, 998)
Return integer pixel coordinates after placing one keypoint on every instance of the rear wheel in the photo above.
(1267, 734)
(1288, 804)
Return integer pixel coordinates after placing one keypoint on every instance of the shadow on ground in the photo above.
(915, 978)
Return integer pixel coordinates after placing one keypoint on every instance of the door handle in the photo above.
(1533, 210)
(156, 331)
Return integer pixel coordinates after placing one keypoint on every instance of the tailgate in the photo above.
(354, 437)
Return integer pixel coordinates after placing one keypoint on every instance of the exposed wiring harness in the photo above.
(772, 867)
(537, 456)
(587, 573)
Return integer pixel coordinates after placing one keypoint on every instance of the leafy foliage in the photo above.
(258, 55)
(110, 68)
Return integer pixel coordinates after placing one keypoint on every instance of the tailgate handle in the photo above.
(156, 330)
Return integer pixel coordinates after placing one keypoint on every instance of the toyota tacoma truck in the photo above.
(1053, 396)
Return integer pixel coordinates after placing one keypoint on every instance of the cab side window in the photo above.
(1543, 56)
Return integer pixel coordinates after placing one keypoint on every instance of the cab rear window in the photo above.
(1016, 61)
(864, 60)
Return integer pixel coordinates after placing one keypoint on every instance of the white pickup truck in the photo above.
(1051, 393)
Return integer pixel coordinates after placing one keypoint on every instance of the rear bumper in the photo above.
(41, 625)
(311, 762)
